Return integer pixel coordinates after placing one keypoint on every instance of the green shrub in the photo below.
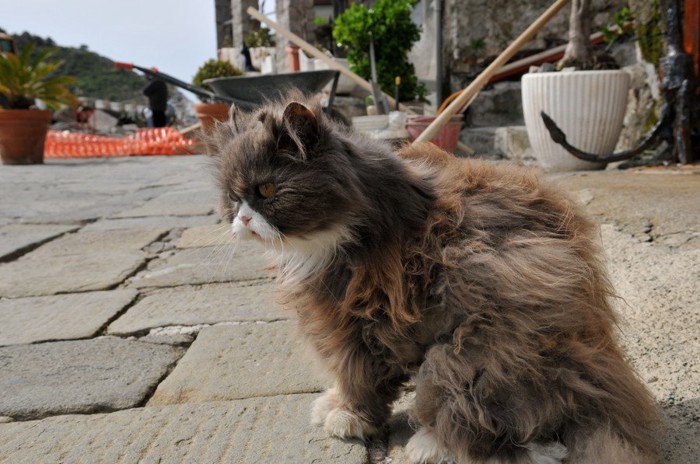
(389, 23)
(214, 68)
(260, 38)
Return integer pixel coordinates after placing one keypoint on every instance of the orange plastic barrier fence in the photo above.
(159, 141)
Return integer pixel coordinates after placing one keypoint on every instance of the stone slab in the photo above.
(206, 265)
(16, 238)
(60, 317)
(679, 439)
(661, 203)
(660, 312)
(400, 429)
(179, 203)
(84, 376)
(75, 190)
(159, 222)
(208, 304)
(260, 430)
(679, 432)
(514, 144)
(204, 236)
(80, 262)
(229, 362)
(481, 140)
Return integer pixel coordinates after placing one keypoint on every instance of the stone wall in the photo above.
(296, 16)
(475, 30)
(224, 32)
(242, 23)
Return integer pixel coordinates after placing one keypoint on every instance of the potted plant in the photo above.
(24, 78)
(261, 44)
(389, 25)
(588, 104)
(210, 112)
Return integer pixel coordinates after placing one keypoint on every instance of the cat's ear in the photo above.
(300, 131)
(233, 118)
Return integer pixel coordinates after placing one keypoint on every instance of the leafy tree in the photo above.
(389, 23)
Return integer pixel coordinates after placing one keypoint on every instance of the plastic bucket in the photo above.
(448, 136)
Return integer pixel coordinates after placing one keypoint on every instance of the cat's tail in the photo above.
(604, 446)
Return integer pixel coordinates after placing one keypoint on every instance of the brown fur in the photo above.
(480, 281)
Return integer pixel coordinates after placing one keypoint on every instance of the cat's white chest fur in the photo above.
(298, 257)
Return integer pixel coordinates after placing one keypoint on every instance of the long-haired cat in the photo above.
(475, 280)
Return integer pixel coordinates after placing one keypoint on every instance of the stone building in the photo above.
(472, 31)
(454, 49)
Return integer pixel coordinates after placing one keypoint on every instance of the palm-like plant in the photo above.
(30, 76)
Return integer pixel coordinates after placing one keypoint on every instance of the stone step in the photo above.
(510, 142)
(497, 105)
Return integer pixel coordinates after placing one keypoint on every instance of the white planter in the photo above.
(268, 65)
(589, 106)
(258, 55)
(306, 63)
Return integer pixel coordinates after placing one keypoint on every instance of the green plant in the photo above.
(260, 38)
(214, 68)
(618, 27)
(389, 23)
(29, 76)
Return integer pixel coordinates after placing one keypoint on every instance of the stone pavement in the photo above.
(132, 330)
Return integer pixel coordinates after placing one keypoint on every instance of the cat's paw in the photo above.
(343, 423)
(423, 448)
(322, 406)
(552, 453)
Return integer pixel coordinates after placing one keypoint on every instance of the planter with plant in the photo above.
(210, 112)
(388, 23)
(587, 102)
(261, 45)
(25, 78)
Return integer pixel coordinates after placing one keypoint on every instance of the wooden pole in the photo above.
(313, 51)
(477, 84)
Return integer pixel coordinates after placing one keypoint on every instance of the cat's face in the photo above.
(279, 180)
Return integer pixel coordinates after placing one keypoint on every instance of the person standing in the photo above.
(157, 93)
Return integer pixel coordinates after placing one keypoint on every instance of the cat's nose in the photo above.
(245, 220)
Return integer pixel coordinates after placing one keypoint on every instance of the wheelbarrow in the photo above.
(249, 92)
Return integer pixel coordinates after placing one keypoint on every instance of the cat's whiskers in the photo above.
(212, 252)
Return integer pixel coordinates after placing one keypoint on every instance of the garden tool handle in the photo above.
(483, 78)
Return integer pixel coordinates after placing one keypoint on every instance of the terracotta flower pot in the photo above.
(589, 106)
(209, 113)
(22, 135)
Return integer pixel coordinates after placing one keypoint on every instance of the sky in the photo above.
(175, 36)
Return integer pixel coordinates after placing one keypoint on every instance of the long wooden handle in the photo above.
(483, 78)
(313, 51)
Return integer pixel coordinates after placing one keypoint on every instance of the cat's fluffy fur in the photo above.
(478, 281)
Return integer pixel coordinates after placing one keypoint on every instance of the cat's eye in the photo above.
(233, 198)
(267, 189)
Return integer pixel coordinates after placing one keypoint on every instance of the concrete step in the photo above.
(510, 142)
(497, 105)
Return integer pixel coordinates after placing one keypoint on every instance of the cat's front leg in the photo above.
(355, 408)
(338, 417)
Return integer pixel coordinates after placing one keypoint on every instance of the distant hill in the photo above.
(96, 76)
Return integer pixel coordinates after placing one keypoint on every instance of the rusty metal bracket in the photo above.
(675, 122)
